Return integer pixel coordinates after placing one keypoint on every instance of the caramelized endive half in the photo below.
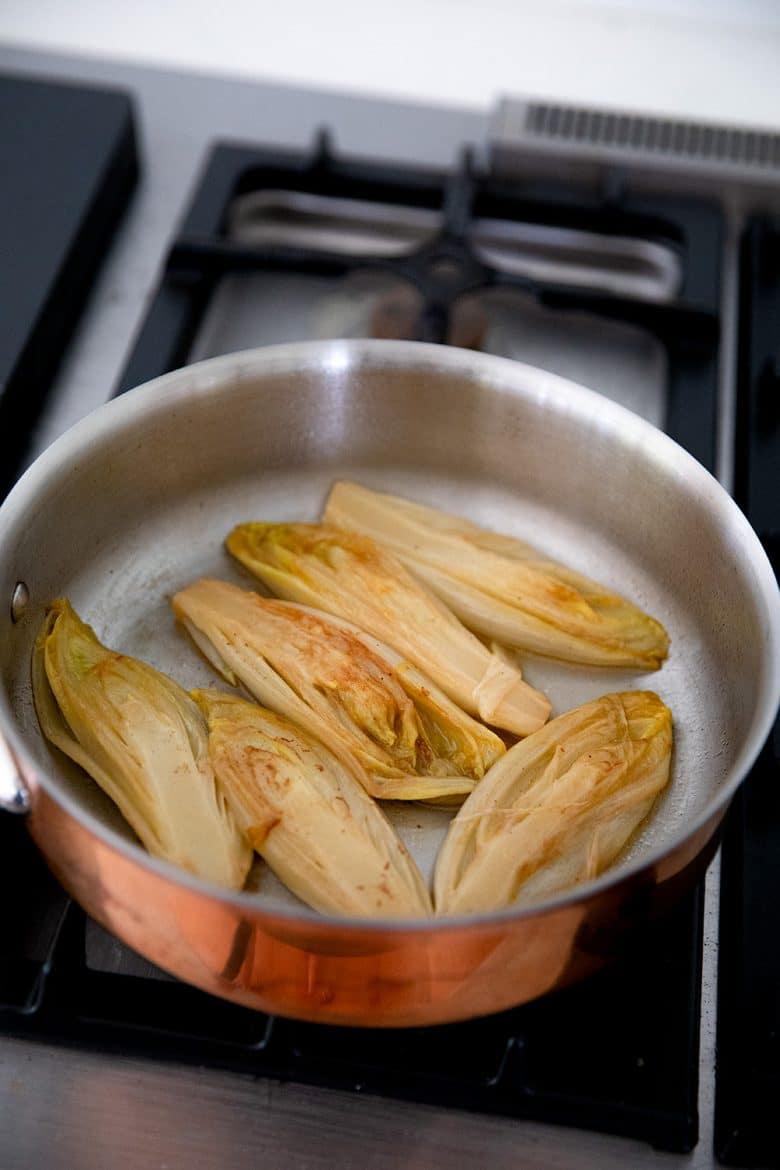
(143, 740)
(502, 588)
(559, 807)
(342, 686)
(306, 813)
(350, 576)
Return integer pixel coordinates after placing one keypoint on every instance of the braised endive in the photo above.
(501, 587)
(350, 576)
(559, 807)
(342, 686)
(144, 741)
(304, 811)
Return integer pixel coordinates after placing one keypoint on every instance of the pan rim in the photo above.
(216, 375)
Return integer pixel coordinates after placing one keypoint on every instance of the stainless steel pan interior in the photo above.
(135, 501)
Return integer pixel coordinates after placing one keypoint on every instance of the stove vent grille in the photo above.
(694, 142)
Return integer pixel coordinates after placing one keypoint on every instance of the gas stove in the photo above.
(624, 282)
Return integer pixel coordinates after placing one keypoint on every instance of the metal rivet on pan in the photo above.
(19, 601)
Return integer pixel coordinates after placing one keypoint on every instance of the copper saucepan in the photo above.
(134, 502)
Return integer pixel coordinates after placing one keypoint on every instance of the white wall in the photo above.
(717, 59)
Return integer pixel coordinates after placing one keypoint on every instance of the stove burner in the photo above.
(619, 265)
(256, 211)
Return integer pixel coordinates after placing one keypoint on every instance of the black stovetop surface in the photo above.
(748, 1039)
(620, 1052)
(68, 165)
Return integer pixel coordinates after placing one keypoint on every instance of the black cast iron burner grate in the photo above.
(446, 267)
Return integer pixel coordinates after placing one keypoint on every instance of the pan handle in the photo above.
(14, 793)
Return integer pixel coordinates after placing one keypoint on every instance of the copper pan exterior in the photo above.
(134, 502)
(345, 974)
